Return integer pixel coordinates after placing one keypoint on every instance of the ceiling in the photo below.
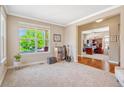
(56, 14)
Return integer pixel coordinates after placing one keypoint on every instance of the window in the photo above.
(2, 38)
(33, 40)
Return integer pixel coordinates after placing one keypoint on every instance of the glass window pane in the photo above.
(43, 46)
(27, 45)
(46, 35)
(46, 43)
(46, 48)
(26, 33)
(22, 32)
(32, 40)
(40, 34)
(40, 45)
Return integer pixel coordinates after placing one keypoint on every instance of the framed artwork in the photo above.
(57, 37)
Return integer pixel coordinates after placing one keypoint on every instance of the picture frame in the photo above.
(57, 37)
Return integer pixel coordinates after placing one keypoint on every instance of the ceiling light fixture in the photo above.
(99, 20)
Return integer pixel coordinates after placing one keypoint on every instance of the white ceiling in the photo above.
(57, 14)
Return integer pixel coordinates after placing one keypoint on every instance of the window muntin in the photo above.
(33, 40)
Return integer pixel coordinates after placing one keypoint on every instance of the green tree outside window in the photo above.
(32, 40)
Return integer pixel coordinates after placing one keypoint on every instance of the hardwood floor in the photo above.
(112, 67)
(97, 64)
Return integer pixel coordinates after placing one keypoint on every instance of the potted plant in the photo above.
(17, 58)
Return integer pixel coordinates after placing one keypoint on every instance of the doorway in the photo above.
(98, 43)
(95, 43)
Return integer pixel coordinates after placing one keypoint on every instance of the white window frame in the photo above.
(2, 37)
(36, 39)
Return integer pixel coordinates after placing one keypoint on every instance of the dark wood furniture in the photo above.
(89, 51)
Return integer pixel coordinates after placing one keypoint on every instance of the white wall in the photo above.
(71, 31)
(13, 40)
(71, 40)
(70, 35)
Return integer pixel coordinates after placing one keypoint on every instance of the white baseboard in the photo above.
(28, 64)
(113, 62)
(2, 77)
(75, 60)
(12, 67)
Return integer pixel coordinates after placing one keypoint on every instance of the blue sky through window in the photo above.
(22, 31)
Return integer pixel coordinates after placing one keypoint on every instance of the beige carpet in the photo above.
(59, 74)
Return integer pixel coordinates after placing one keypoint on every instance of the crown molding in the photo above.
(5, 8)
(94, 14)
(36, 19)
(73, 22)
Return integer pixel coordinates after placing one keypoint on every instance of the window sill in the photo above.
(35, 53)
